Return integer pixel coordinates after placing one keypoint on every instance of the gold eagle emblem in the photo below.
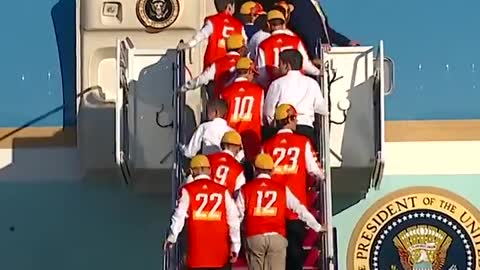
(422, 247)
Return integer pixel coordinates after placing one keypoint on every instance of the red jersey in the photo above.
(224, 25)
(207, 213)
(288, 152)
(224, 70)
(268, 57)
(226, 170)
(265, 206)
(245, 104)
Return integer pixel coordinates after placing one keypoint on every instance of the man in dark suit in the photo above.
(310, 22)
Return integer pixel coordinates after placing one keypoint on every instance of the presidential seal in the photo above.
(418, 228)
(156, 15)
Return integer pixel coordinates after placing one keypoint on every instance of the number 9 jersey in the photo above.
(226, 170)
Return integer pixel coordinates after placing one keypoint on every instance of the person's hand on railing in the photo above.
(168, 245)
(326, 47)
(182, 89)
(182, 46)
(233, 257)
(181, 148)
(324, 229)
(354, 43)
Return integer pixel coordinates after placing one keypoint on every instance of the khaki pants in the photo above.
(266, 252)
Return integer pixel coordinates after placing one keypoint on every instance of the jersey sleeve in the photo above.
(179, 215)
(233, 221)
(261, 65)
(308, 66)
(303, 214)
(240, 203)
(240, 181)
(203, 79)
(313, 165)
(205, 32)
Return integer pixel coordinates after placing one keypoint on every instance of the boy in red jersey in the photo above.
(220, 73)
(226, 170)
(212, 219)
(268, 58)
(263, 203)
(294, 159)
(245, 104)
(216, 29)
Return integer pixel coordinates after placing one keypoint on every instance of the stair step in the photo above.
(246, 268)
(311, 238)
(312, 258)
(241, 261)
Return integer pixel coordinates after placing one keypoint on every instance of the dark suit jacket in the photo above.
(307, 23)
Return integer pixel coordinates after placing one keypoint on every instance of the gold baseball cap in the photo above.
(235, 42)
(244, 63)
(275, 15)
(232, 137)
(264, 162)
(284, 111)
(251, 8)
(199, 161)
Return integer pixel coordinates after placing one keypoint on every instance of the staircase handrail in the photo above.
(325, 186)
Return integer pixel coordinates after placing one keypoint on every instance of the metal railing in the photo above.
(328, 257)
(122, 145)
(173, 257)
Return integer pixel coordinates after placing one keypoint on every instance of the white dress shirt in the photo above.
(205, 32)
(261, 64)
(207, 138)
(256, 39)
(206, 76)
(292, 203)
(301, 91)
(311, 161)
(239, 182)
(180, 214)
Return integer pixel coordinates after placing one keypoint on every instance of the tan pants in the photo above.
(266, 252)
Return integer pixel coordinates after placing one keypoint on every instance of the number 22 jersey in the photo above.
(212, 220)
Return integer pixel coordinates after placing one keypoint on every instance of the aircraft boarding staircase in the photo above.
(319, 199)
(354, 84)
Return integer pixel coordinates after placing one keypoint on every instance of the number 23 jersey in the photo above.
(294, 159)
